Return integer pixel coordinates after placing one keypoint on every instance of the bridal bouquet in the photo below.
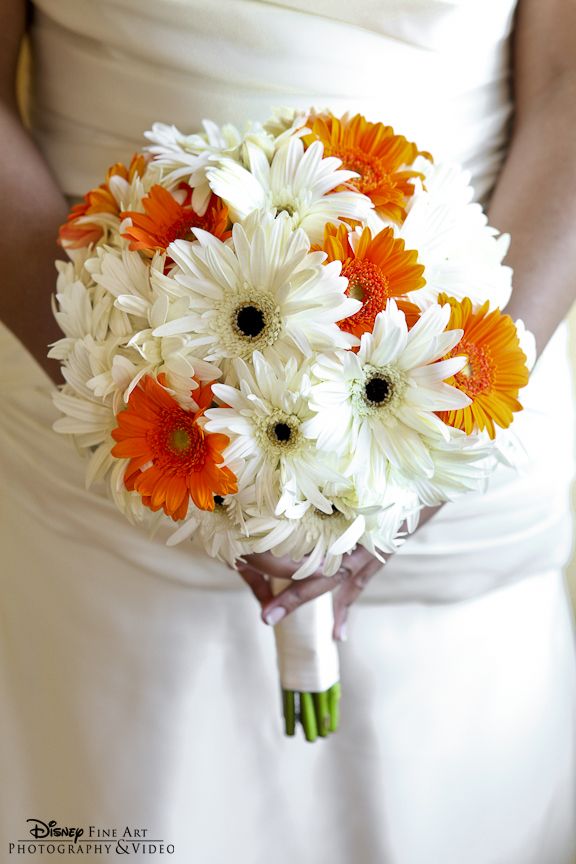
(287, 339)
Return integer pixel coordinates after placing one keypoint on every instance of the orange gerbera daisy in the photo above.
(496, 368)
(380, 157)
(172, 458)
(165, 220)
(78, 230)
(377, 268)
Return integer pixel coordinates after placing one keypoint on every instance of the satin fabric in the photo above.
(106, 70)
(138, 685)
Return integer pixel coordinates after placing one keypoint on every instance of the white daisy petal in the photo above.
(376, 409)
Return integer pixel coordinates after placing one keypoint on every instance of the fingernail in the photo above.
(343, 632)
(275, 615)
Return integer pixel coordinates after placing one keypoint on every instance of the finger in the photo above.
(299, 592)
(279, 568)
(358, 558)
(258, 583)
(349, 591)
(284, 567)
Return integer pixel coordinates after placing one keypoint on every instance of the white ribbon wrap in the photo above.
(307, 653)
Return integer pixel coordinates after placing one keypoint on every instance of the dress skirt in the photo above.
(138, 687)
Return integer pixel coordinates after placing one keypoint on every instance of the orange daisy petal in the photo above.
(495, 371)
(374, 152)
(180, 512)
(201, 493)
(130, 447)
(166, 220)
(172, 459)
(78, 231)
(377, 269)
(176, 494)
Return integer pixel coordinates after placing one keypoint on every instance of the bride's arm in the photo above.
(535, 201)
(535, 198)
(31, 209)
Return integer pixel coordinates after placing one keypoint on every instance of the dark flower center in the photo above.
(218, 499)
(250, 321)
(282, 431)
(286, 208)
(378, 390)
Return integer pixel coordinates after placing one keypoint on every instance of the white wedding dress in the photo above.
(138, 687)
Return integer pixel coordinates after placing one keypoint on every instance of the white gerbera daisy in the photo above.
(374, 407)
(127, 502)
(264, 422)
(122, 272)
(186, 157)
(461, 253)
(320, 540)
(85, 416)
(317, 538)
(268, 293)
(138, 293)
(298, 182)
(82, 308)
(387, 527)
(221, 532)
(461, 464)
(73, 309)
(88, 419)
(285, 120)
(170, 145)
(272, 135)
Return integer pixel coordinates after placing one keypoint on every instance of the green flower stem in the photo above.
(334, 705)
(322, 713)
(308, 716)
(318, 713)
(289, 701)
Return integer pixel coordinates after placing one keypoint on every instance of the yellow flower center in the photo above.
(368, 283)
(477, 375)
(371, 174)
(179, 440)
(178, 443)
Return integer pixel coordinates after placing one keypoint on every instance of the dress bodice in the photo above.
(104, 70)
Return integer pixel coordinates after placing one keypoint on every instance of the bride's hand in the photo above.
(347, 584)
